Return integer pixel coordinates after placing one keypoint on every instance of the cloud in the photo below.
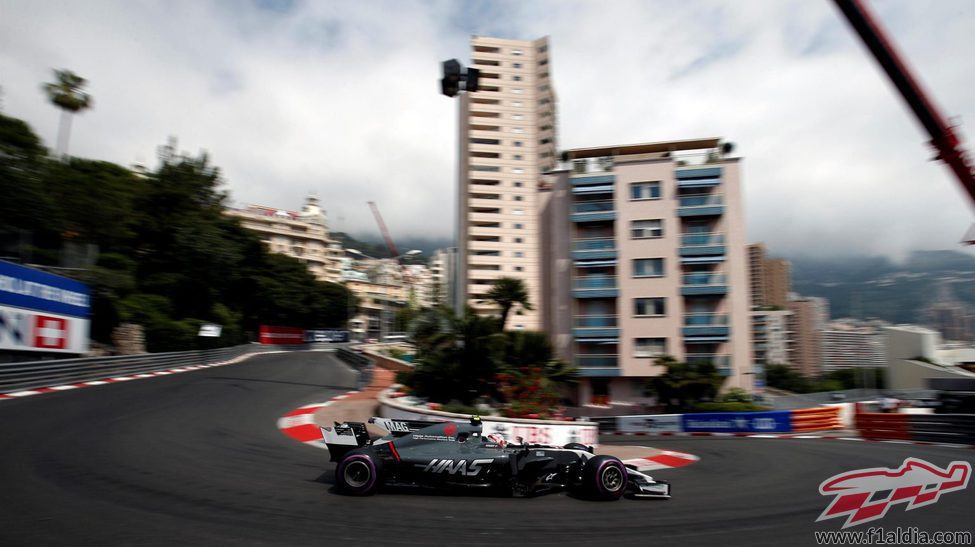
(341, 99)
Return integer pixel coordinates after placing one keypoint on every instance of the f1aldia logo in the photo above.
(865, 495)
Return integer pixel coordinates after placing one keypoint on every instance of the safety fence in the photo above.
(22, 376)
(935, 428)
(778, 421)
(360, 362)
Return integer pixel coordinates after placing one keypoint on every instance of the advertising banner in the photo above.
(30, 289)
(649, 424)
(326, 335)
(738, 422)
(29, 330)
(281, 335)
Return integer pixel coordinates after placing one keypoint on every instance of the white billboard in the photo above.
(30, 330)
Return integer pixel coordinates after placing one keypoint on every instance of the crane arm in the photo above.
(943, 137)
(393, 252)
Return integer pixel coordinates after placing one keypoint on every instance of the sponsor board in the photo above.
(30, 289)
(652, 423)
(738, 422)
(29, 330)
(280, 335)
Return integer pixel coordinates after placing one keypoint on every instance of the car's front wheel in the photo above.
(358, 475)
(604, 477)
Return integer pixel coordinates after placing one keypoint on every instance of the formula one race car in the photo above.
(446, 455)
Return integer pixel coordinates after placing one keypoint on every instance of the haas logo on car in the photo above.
(453, 467)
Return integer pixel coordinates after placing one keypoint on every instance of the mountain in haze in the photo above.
(373, 246)
(876, 287)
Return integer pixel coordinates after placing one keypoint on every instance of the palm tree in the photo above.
(66, 94)
(506, 292)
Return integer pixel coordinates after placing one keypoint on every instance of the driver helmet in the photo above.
(497, 439)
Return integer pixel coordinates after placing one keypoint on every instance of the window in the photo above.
(643, 307)
(519, 198)
(518, 130)
(517, 117)
(518, 184)
(516, 65)
(518, 240)
(518, 171)
(519, 254)
(519, 269)
(518, 211)
(645, 190)
(516, 52)
(648, 267)
(517, 91)
(519, 226)
(517, 103)
(518, 143)
(518, 156)
(646, 229)
(516, 78)
(649, 347)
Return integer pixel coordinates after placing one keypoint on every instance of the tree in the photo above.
(506, 293)
(66, 93)
(685, 384)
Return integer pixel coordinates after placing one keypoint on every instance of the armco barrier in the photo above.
(533, 431)
(815, 419)
(34, 374)
(942, 428)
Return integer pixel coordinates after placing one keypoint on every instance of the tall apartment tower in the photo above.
(507, 140)
(770, 278)
(806, 325)
(645, 256)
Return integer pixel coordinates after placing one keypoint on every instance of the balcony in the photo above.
(706, 327)
(704, 284)
(606, 364)
(595, 326)
(595, 247)
(701, 206)
(701, 245)
(595, 286)
(590, 211)
(703, 177)
(718, 360)
(593, 180)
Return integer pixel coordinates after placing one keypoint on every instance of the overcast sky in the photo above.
(342, 99)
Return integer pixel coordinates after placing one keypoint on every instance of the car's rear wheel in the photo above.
(604, 478)
(357, 475)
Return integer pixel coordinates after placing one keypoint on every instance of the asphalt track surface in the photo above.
(196, 458)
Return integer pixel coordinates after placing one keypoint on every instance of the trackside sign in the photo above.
(42, 312)
(738, 422)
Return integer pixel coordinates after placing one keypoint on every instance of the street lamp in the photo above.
(455, 79)
(384, 311)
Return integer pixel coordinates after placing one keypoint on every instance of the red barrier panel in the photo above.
(878, 425)
(280, 335)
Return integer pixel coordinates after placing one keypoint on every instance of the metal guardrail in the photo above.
(23, 376)
(362, 365)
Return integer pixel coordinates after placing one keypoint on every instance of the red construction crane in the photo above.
(393, 251)
(943, 137)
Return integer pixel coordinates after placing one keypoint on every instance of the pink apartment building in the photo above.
(643, 254)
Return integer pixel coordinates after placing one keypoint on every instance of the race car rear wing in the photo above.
(344, 437)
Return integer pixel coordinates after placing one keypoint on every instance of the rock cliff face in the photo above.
(129, 339)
